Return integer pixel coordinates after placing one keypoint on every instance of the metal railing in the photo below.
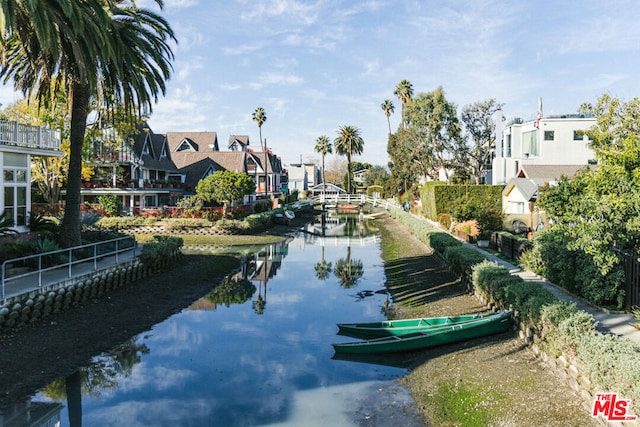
(21, 135)
(65, 259)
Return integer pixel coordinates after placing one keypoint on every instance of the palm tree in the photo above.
(404, 92)
(388, 108)
(102, 51)
(259, 116)
(324, 147)
(348, 143)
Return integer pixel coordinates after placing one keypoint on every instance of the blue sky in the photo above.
(317, 65)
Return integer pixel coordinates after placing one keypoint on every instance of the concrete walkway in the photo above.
(617, 324)
(24, 285)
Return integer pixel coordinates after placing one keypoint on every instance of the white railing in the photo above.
(20, 135)
(360, 199)
(65, 259)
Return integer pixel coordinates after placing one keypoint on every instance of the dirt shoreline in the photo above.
(494, 380)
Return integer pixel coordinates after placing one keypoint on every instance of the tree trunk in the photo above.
(70, 228)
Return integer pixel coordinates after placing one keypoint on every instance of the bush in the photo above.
(461, 259)
(110, 204)
(440, 241)
(445, 221)
(124, 222)
(161, 249)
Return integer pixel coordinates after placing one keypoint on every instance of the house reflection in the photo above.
(31, 414)
(256, 268)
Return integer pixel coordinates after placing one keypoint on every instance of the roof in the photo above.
(243, 140)
(200, 141)
(527, 187)
(542, 174)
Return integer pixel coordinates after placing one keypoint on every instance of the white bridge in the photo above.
(336, 200)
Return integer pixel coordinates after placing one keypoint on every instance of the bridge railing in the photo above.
(360, 199)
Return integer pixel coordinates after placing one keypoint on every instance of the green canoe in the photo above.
(406, 326)
(434, 337)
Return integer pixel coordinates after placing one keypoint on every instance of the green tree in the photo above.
(388, 108)
(598, 209)
(377, 175)
(259, 116)
(404, 92)
(107, 50)
(437, 126)
(406, 159)
(349, 143)
(324, 147)
(480, 126)
(225, 187)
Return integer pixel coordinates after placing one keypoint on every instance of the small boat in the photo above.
(437, 336)
(405, 326)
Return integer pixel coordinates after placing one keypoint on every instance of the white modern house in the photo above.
(18, 144)
(550, 141)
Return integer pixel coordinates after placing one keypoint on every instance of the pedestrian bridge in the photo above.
(351, 200)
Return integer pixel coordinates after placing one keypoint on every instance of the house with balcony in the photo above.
(153, 170)
(19, 143)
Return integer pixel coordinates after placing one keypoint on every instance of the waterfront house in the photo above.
(19, 143)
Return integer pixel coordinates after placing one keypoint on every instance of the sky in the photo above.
(315, 66)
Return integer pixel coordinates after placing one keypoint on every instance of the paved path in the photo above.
(618, 324)
(29, 283)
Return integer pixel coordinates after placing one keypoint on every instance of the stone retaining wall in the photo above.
(30, 307)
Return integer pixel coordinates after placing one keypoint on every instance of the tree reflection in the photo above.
(348, 270)
(232, 291)
(322, 268)
(102, 374)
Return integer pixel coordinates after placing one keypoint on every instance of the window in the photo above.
(530, 143)
(15, 180)
(549, 135)
(578, 135)
(508, 146)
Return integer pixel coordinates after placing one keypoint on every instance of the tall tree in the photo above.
(388, 108)
(107, 50)
(478, 120)
(404, 92)
(349, 143)
(436, 119)
(259, 116)
(324, 147)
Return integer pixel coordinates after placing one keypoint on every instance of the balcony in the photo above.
(31, 138)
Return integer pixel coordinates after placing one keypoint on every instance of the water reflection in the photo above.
(232, 359)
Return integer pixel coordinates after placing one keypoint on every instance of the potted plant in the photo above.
(483, 239)
(468, 230)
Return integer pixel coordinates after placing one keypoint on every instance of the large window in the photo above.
(530, 143)
(14, 177)
(508, 146)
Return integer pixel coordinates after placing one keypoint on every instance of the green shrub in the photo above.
(461, 259)
(440, 241)
(445, 221)
(124, 222)
(613, 364)
(159, 250)
(110, 204)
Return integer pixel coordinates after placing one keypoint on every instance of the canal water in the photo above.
(256, 351)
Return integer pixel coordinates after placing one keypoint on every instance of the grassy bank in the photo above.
(488, 381)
